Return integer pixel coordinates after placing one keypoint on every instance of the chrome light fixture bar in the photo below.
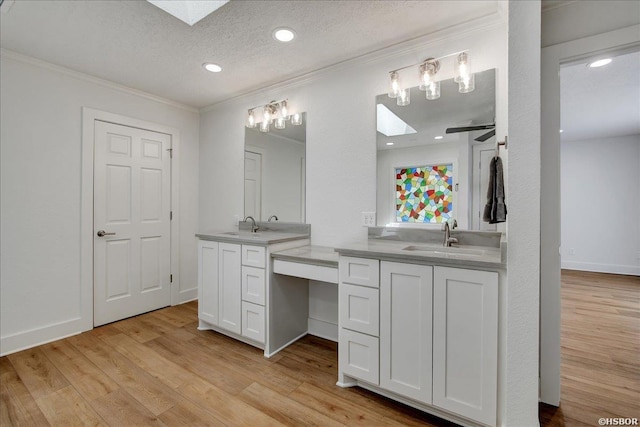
(275, 112)
(427, 74)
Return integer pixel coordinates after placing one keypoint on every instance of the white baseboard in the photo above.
(601, 268)
(322, 329)
(38, 336)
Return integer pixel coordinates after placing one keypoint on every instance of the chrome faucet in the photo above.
(448, 240)
(254, 227)
(272, 217)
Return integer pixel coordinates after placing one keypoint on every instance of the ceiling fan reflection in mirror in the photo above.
(481, 138)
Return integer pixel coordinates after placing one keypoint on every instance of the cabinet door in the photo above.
(208, 281)
(253, 322)
(229, 259)
(254, 256)
(465, 342)
(359, 309)
(359, 271)
(406, 329)
(358, 356)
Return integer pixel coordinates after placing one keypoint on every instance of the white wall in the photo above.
(282, 185)
(40, 287)
(601, 205)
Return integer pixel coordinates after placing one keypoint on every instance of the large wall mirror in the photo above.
(274, 173)
(426, 176)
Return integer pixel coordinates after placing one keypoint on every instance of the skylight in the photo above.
(391, 125)
(189, 11)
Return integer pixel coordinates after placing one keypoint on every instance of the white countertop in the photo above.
(425, 253)
(315, 255)
(261, 238)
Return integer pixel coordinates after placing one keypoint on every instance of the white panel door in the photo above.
(253, 184)
(465, 342)
(406, 293)
(230, 283)
(132, 190)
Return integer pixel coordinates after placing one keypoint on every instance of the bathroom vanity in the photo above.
(418, 322)
(238, 294)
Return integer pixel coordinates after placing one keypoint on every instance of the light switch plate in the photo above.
(368, 219)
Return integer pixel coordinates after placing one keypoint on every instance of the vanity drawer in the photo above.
(253, 285)
(253, 321)
(359, 271)
(358, 356)
(253, 256)
(359, 309)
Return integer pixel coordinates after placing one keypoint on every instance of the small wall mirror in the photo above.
(425, 175)
(274, 172)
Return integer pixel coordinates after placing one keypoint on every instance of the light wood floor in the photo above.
(159, 369)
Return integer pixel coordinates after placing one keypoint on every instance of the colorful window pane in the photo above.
(424, 194)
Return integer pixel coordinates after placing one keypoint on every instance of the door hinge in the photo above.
(170, 215)
(171, 278)
(170, 150)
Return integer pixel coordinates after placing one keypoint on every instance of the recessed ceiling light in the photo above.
(389, 143)
(438, 137)
(561, 130)
(214, 68)
(283, 34)
(599, 63)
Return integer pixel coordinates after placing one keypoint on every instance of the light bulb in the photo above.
(266, 114)
(394, 84)
(467, 85)
(404, 97)
(264, 126)
(284, 112)
(296, 119)
(433, 91)
(463, 67)
(279, 123)
(251, 120)
(428, 71)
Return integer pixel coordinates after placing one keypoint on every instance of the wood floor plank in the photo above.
(229, 408)
(284, 409)
(186, 413)
(39, 375)
(146, 358)
(17, 405)
(66, 408)
(86, 377)
(146, 389)
(119, 408)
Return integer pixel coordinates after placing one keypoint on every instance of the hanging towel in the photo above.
(495, 210)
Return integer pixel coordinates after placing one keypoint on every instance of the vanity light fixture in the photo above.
(599, 63)
(210, 66)
(275, 112)
(284, 35)
(427, 72)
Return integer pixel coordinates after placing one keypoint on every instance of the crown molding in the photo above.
(458, 31)
(6, 53)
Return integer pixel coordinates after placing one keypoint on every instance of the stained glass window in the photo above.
(424, 194)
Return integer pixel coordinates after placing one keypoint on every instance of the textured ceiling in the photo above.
(135, 44)
(601, 102)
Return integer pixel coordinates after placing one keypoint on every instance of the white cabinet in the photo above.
(405, 329)
(427, 333)
(229, 284)
(253, 285)
(208, 281)
(253, 321)
(465, 342)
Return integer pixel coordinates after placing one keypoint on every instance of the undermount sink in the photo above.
(448, 251)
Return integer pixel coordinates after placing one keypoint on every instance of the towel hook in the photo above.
(501, 143)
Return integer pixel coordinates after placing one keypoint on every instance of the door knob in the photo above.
(102, 233)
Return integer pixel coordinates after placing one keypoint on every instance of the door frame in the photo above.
(552, 58)
(89, 116)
